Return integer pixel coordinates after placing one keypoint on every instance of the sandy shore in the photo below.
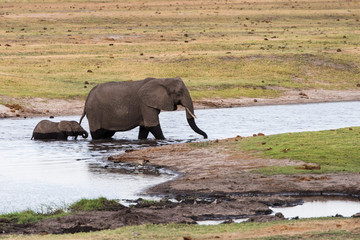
(31, 107)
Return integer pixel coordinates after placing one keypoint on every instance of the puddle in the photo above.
(217, 222)
(317, 208)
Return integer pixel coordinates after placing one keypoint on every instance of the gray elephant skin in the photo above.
(46, 129)
(122, 106)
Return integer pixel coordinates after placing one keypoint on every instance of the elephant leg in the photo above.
(101, 134)
(143, 133)
(157, 132)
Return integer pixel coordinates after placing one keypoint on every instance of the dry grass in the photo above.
(220, 48)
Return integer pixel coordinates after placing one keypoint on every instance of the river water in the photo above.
(50, 174)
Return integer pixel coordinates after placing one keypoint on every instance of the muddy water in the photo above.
(39, 174)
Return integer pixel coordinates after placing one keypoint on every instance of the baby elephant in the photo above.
(46, 129)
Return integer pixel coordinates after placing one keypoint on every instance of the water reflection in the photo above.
(33, 173)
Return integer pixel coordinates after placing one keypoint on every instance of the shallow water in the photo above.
(38, 174)
(312, 209)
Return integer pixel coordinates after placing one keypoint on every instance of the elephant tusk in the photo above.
(188, 110)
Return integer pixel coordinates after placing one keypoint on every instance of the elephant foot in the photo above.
(102, 134)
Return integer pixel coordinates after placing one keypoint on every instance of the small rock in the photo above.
(228, 221)
(279, 215)
(338, 50)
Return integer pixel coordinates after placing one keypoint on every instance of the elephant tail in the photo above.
(83, 115)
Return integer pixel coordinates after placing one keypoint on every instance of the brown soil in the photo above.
(213, 183)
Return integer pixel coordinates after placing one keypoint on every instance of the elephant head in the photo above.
(166, 94)
(72, 128)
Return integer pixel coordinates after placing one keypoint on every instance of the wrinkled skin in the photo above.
(46, 129)
(122, 106)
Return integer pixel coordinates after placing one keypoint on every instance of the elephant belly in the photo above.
(122, 122)
(114, 119)
(44, 136)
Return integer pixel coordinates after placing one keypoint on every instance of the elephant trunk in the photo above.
(196, 129)
(85, 134)
(187, 103)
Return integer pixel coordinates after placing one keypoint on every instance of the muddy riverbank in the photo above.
(29, 107)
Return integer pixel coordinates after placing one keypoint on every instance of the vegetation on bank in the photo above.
(330, 151)
(227, 49)
(31, 216)
(251, 230)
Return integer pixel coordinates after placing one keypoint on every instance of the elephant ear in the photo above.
(65, 126)
(155, 94)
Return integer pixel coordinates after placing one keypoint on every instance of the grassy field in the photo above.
(226, 49)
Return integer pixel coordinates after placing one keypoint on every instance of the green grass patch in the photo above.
(99, 204)
(333, 150)
(30, 216)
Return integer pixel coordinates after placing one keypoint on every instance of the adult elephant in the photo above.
(121, 106)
